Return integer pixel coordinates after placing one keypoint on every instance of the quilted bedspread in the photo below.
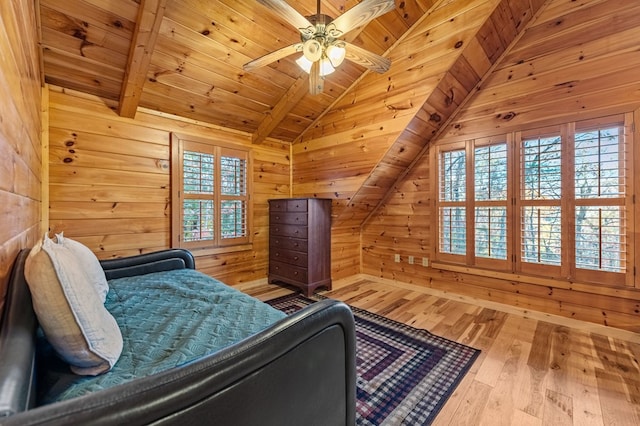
(167, 319)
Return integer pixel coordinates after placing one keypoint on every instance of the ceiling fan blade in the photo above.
(363, 12)
(292, 16)
(272, 57)
(367, 59)
(316, 83)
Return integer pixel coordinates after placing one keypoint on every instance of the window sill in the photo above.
(537, 280)
(200, 252)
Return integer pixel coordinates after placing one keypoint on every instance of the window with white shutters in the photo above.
(211, 197)
(553, 202)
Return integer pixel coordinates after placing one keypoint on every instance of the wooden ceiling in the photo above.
(185, 57)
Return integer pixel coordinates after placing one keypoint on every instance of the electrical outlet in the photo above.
(397, 258)
(425, 261)
(410, 260)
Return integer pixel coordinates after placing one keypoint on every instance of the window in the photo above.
(600, 189)
(560, 208)
(452, 202)
(210, 194)
(490, 194)
(473, 201)
(540, 201)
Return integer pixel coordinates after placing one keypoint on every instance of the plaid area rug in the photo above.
(404, 374)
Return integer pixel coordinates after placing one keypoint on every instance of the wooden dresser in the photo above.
(300, 242)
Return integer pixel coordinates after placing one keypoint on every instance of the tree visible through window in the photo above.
(210, 194)
(490, 188)
(599, 179)
(563, 212)
(452, 208)
(541, 162)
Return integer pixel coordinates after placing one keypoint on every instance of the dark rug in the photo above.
(405, 374)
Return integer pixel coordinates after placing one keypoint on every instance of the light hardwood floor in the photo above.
(533, 369)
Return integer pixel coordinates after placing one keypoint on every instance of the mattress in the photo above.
(167, 319)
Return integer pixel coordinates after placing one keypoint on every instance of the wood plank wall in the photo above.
(337, 158)
(573, 64)
(20, 133)
(110, 183)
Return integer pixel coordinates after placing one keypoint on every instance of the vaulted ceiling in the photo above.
(185, 57)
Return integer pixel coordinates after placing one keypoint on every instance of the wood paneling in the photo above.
(557, 72)
(574, 61)
(109, 182)
(387, 119)
(20, 133)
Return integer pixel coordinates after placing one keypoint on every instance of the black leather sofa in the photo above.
(300, 371)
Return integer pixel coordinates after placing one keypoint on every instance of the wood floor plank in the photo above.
(558, 409)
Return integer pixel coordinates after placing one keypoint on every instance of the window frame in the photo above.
(488, 262)
(181, 143)
(555, 271)
(440, 204)
(568, 203)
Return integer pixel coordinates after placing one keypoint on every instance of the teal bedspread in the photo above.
(167, 319)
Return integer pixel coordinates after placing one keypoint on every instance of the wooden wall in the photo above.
(576, 62)
(110, 183)
(344, 156)
(20, 133)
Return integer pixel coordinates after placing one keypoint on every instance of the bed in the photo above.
(280, 370)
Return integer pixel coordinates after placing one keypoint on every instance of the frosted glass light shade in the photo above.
(325, 65)
(336, 55)
(312, 50)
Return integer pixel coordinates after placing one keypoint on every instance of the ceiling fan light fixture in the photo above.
(326, 67)
(312, 50)
(336, 54)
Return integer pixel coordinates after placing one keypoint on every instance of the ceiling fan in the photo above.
(322, 50)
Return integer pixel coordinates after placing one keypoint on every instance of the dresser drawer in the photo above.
(288, 256)
(288, 230)
(290, 218)
(286, 243)
(292, 205)
(291, 272)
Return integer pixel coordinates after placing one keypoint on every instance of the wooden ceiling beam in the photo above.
(280, 110)
(150, 14)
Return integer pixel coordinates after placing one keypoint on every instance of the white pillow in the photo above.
(69, 310)
(90, 264)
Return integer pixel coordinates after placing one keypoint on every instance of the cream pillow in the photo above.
(70, 311)
(90, 264)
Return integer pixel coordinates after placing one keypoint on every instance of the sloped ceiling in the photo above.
(185, 57)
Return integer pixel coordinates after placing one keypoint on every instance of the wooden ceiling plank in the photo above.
(80, 49)
(143, 42)
(86, 15)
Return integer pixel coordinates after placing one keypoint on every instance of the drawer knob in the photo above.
(295, 273)
(277, 254)
(295, 257)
